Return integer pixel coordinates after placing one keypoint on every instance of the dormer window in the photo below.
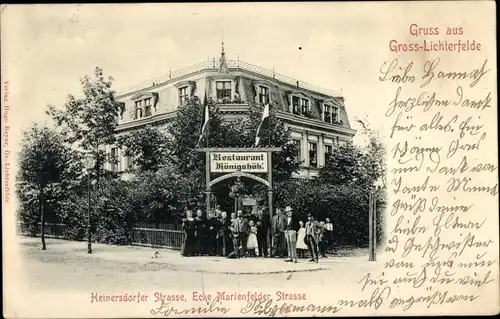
(147, 107)
(138, 110)
(263, 95)
(183, 95)
(262, 90)
(296, 105)
(223, 90)
(305, 105)
(330, 113)
(335, 114)
(185, 90)
(144, 103)
(300, 105)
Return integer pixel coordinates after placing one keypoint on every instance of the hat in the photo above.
(309, 215)
(288, 209)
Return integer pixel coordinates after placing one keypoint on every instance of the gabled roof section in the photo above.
(143, 95)
(298, 93)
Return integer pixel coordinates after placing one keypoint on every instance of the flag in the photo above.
(204, 120)
(263, 123)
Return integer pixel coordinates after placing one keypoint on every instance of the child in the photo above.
(301, 245)
(252, 245)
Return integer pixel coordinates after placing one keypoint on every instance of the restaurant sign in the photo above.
(229, 162)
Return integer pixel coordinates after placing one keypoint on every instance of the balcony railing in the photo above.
(232, 64)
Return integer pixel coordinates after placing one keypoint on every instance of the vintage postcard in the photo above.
(249, 159)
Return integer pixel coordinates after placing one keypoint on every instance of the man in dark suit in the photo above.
(239, 229)
(292, 226)
(311, 238)
(278, 233)
(262, 229)
(223, 244)
(211, 229)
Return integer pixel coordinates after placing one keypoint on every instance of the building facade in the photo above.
(317, 118)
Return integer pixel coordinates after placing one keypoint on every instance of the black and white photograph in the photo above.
(249, 159)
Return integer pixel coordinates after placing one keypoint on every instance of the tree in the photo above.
(154, 197)
(45, 162)
(245, 130)
(113, 225)
(89, 122)
(184, 132)
(352, 172)
(147, 147)
(375, 154)
(345, 166)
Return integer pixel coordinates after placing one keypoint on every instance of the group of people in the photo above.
(244, 235)
(218, 235)
(313, 236)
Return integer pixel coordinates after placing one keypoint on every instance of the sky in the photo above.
(52, 47)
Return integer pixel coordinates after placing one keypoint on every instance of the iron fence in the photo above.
(150, 235)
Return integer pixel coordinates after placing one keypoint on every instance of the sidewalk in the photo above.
(171, 259)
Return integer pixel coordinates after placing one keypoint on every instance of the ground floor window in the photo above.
(313, 154)
(298, 146)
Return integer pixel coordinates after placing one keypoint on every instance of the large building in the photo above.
(316, 117)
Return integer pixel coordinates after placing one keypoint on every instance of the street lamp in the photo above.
(89, 163)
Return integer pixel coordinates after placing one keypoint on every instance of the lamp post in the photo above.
(89, 163)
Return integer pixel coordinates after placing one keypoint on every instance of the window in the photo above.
(295, 105)
(147, 107)
(138, 109)
(335, 114)
(328, 114)
(113, 159)
(300, 105)
(331, 114)
(263, 95)
(328, 151)
(144, 102)
(223, 89)
(313, 154)
(183, 95)
(305, 105)
(298, 147)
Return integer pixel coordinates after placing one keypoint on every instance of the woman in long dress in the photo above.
(252, 244)
(190, 242)
(301, 244)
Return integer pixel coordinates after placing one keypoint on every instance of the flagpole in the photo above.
(269, 180)
(269, 126)
(207, 163)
